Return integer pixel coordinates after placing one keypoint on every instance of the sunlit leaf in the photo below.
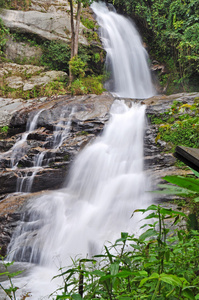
(147, 234)
(171, 279)
(187, 183)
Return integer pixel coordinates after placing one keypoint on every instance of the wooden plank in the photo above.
(189, 156)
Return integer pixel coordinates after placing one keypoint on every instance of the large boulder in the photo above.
(47, 25)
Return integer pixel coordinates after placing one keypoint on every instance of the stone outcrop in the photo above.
(54, 25)
(88, 119)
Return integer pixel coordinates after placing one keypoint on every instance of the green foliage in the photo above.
(187, 187)
(77, 88)
(178, 126)
(11, 290)
(94, 84)
(15, 4)
(56, 87)
(161, 263)
(78, 66)
(3, 131)
(56, 55)
(3, 33)
(5, 3)
(87, 85)
(88, 23)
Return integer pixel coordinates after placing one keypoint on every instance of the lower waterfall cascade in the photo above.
(106, 183)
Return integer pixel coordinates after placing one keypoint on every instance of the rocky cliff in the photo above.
(84, 118)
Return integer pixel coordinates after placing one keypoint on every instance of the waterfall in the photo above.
(126, 59)
(19, 148)
(61, 131)
(106, 182)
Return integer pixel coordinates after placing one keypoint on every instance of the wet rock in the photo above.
(86, 116)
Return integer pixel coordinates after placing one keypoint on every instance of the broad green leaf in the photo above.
(188, 294)
(191, 184)
(122, 274)
(153, 276)
(63, 297)
(151, 216)
(171, 279)
(152, 207)
(76, 297)
(14, 274)
(195, 172)
(97, 273)
(5, 273)
(167, 255)
(114, 268)
(171, 190)
(170, 212)
(150, 232)
(124, 235)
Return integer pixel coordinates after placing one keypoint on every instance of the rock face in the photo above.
(52, 25)
(19, 50)
(27, 77)
(86, 115)
(83, 118)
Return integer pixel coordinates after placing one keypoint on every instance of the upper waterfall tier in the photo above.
(127, 59)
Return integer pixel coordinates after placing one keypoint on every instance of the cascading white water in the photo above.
(61, 131)
(106, 184)
(19, 149)
(126, 57)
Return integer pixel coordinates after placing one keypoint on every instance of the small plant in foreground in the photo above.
(162, 263)
(11, 290)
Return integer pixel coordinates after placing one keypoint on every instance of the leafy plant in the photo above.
(3, 34)
(77, 87)
(87, 23)
(78, 66)
(4, 129)
(56, 55)
(11, 290)
(162, 263)
(178, 126)
(187, 187)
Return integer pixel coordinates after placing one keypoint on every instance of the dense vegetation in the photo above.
(171, 31)
(179, 125)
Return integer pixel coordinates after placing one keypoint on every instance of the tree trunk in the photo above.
(72, 38)
(79, 8)
(74, 32)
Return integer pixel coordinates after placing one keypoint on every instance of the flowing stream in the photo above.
(105, 185)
